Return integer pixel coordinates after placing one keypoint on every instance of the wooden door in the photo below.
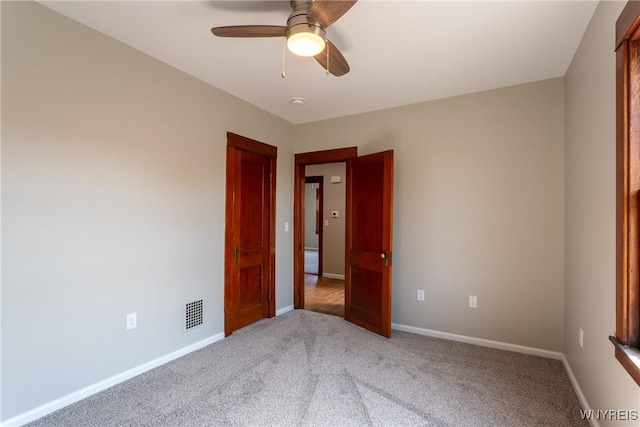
(319, 220)
(249, 233)
(369, 242)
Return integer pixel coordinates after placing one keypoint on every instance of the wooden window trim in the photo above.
(627, 339)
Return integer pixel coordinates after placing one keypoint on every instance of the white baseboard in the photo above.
(480, 341)
(50, 407)
(284, 310)
(578, 390)
(333, 276)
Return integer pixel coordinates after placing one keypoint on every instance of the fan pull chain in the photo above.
(284, 44)
(327, 57)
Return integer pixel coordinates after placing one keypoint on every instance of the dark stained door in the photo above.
(369, 242)
(248, 236)
(319, 197)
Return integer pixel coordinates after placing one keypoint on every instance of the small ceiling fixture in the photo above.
(297, 102)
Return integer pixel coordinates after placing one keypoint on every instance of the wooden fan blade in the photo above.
(337, 64)
(250, 31)
(326, 12)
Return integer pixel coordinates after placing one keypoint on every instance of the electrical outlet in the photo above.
(132, 321)
(420, 295)
(581, 337)
(473, 301)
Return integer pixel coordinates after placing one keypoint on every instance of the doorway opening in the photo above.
(324, 240)
(323, 292)
(368, 237)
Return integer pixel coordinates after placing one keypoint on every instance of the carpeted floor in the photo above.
(312, 369)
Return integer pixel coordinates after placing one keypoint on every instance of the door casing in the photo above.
(301, 161)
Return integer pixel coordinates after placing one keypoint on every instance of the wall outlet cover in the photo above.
(132, 321)
(473, 301)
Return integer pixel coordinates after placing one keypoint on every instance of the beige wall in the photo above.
(113, 175)
(333, 238)
(479, 209)
(113, 202)
(590, 171)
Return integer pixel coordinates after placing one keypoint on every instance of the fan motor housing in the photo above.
(298, 23)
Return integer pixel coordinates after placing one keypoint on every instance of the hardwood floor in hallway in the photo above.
(324, 295)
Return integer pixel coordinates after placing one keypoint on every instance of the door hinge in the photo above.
(270, 177)
(236, 254)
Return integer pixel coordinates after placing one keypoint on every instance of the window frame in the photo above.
(627, 49)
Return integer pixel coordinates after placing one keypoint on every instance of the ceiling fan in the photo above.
(305, 32)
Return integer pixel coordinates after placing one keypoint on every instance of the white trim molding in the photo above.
(284, 310)
(333, 276)
(578, 390)
(78, 395)
(480, 341)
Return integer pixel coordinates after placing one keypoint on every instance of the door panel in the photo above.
(252, 207)
(252, 287)
(249, 249)
(369, 242)
(365, 296)
(367, 208)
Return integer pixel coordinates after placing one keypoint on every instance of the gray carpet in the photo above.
(312, 369)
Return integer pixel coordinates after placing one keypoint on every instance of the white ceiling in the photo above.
(400, 52)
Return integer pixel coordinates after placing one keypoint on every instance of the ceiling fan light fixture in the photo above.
(304, 34)
(305, 43)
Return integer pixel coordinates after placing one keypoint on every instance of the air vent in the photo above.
(193, 316)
